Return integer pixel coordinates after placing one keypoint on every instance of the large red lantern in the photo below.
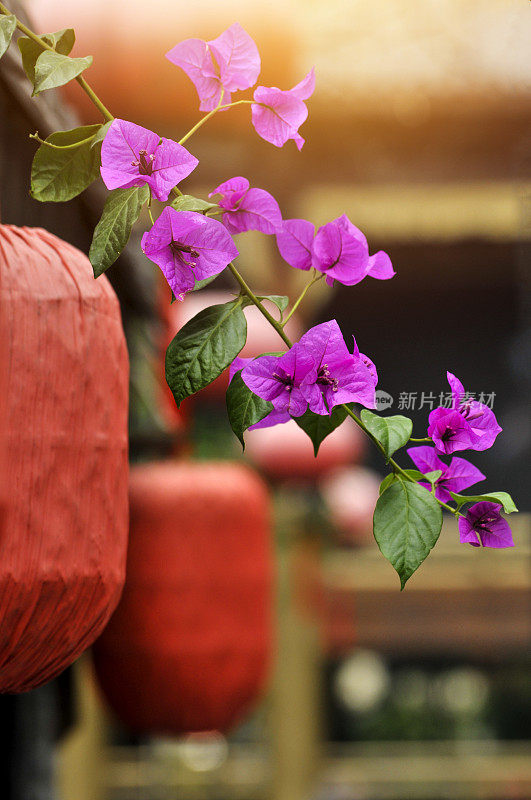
(189, 645)
(64, 533)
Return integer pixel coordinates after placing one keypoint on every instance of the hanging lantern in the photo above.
(350, 494)
(189, 645)
(285, 453)
(64, 532)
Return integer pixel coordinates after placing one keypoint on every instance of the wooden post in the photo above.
(295, 700)
(81, 755)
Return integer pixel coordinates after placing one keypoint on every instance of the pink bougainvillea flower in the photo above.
(467, 425)
(247, 209)
(134, 156)
(371, 366)
(339, 250)
(226, 64)
(277, 114)
(188, 247)
(459, 474)
(238, 364)
(279, 379)
(274, 417)
(341, 377)
(317, 372)
(484, 525)
(295, 242)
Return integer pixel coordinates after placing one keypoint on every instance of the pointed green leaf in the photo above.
(62, 41)
(30, 51)
(204, 347)
(8, 23)
(319, 426)
(101, 134)
(392, 477)
(120, 212)
(281, 301)
(407, 523)
(391, 432)
(201, 284)
(54, 69)
(243, 407)
(187, 202)
(503, 498)
(433, 477)
(58, 175)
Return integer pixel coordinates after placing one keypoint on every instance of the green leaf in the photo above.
(393, 476)
(204, 347)
(8, 23)
(188, 202)
(281, 301)
(30, 51)
(243, 407)
(201, 284)
(55, 69)
(319, 426)
(120, 212)
(58, 175)
(62, 41)
(407, 523)
(503, 498)
(101, 134)
(391, 432)
(433, 477)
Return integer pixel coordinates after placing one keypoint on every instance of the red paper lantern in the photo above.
(189, 645)
(63, 541)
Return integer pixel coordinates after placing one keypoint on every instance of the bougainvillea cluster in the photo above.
(317, 381)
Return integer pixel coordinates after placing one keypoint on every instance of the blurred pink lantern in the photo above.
(285, 452)
(351, 494)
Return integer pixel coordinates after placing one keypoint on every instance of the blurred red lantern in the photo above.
(285, 452)
(64, 537)
(188, 647)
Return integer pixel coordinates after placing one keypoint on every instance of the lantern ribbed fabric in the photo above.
(189, 645)
(64, 535)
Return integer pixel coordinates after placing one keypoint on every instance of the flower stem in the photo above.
(60, 146)
(238, 103)
(301, 297)
(397, 469)
(82, 82)
(427, 439)
(254, 299)
(203, 119)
